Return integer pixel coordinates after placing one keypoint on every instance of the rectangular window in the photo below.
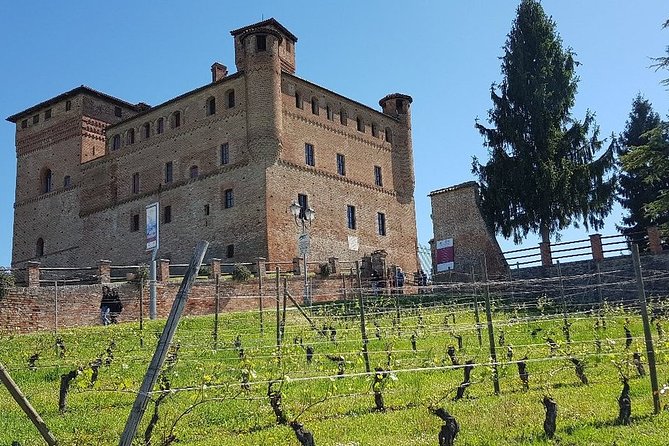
(118, 112)
(225, 154)
(261, 42)
(167, 214)
(231, 98)
(230, 251)
(341, 164)
(309, 157)
(378, 176)
(160, 126)
(47, 114)
(330, 115)
(134, 223)
(206, 209)
(135, 183)
(176, 119)
(35, 119)
(24, 124)
(304, 204)
(229, 199)
(68, 105)
(67, 181)
(350, 213)
(381, 219)
(168, 172)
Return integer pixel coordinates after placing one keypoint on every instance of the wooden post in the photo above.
(650, 351)
(55, 312)
(564, 305)
(141, 313)
(217, 304)
(491, 334)
(163, 346)
(283, 317)
(261, 277)
(363, 330)
(26, 406)
(306, 316)
(278, 312)
(599, 289)
(477, 316)
(343, 283)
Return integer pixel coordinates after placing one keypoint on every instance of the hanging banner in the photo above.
(445, 255)
(152, 239)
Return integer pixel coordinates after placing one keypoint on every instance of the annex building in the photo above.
(225, 161)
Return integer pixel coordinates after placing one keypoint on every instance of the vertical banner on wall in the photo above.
(152, 239)
(445, 255)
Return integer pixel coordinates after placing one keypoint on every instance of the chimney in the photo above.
(218, 71)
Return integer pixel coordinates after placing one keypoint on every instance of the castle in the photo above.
(225, 161)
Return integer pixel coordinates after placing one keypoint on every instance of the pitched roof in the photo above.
(270, 21)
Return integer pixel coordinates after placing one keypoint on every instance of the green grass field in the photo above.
(207, 405)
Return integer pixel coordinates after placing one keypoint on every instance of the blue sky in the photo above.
(443, 53)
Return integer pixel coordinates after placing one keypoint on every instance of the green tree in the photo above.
(663, 62)
(651, 162)
(633, 192)
(542, 175)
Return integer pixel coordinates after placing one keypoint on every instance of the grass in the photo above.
(339, 410)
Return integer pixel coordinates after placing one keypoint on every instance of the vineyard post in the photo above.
(476, 309)
(217, 307)
(283, 318)
(25, 405)
(55, 312)
(599, 289)
(650, 351)
(491, 334)
(144, 394)
(278, 311)
(261, 273)
(363, 331)
(343, 283)
(564, 300)
(141, 312)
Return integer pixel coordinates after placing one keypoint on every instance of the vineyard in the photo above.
(572, 348)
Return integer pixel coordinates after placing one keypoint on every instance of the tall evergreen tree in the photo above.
(663, 62)
(633, 192)
(542, 175)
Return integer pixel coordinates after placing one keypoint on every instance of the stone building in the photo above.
(459, 226)
(225, 161)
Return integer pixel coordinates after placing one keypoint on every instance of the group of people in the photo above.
(110, 306)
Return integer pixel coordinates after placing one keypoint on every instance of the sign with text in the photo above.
(152, 239)
(445, 255)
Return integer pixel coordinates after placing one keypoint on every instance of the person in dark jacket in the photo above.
(105, 306)
(115, 307)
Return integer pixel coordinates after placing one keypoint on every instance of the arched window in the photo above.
(39, 247)
(176, 119)
(343, 117)
(160, 125)
(116, 142)
(361, 124)
(231, 98)
(46, 181)
(211, 106)
(146, 130)
(314, 106)
(194, 171)
(389, 135)
(131, 136)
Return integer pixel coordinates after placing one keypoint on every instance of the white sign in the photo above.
(152, 223)
(303, 244)
(353, 244)
(445, 255)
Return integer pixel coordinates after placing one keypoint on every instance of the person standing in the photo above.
(105, 306)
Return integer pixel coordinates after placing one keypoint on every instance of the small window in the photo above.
(211, 106)
(167, 214)
(39, 247)
(309, 157)
(134, 223)
(231, 98)
(350, 214)
(329, 114)
(298, 100)
(160, 126)
(289, 46)
(378, 176)
(314, 106)
(399, 106)
(47, 181)
(68, 105)
(381, 220)
(135, 183)
(168, 172)
(229, 199)
(261, 42)
(341, 164)
(230, 251)
(343, 117)
(35, 119)
(389, 134)
(225, 154)
(303, 201)
(206, 209)
(375, 131)
(360, 124)
(47, 114)
(194, 171)
(24, 124)
(116, 142)
(131, 136)
(118, 112)
(146, 130)
(176, 119)
(67, 181)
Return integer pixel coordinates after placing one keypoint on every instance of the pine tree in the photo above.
(633, 192)
(663, 62)
(542, 175)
